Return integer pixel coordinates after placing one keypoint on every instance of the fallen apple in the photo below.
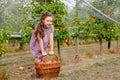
(21, 68)
(28, 67)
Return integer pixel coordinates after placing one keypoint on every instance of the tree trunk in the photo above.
(21, 46)
(117, 48)
(76, 45)
(58, 45)
(76, 38)
(101, 50)
(109, 44)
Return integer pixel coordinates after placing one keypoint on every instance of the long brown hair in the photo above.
(40, 25)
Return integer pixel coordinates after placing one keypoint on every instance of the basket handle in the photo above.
(56, 57)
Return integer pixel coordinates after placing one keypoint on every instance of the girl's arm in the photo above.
(51, 43)
(41, 44)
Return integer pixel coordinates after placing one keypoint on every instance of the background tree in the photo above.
(5, 33)
(110, 32)
(95, 27)
(117, 35)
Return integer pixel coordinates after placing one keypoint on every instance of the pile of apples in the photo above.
(45, 61)
(67, 41)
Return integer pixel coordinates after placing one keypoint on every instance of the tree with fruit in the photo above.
(110, 32)
(117, 35)
(77, 32)
(96, 30)
(56, 7)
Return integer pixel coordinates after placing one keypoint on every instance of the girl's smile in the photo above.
(48, 22)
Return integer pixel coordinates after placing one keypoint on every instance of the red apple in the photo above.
(28, 67)
(66, 40)
(75, 22)
(37, 61)
(94, 17)
(69, 42)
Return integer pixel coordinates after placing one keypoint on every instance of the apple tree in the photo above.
(110, 32)
(96, 30)
(77, 32)
(117, 34)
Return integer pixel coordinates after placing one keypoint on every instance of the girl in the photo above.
(42, 35)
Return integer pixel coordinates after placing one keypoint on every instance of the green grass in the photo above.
(83, 71)
(106, 62)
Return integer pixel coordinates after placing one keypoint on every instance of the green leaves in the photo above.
(26, 35)
(5, 34)
(57, 8)
(62, 34)
(100, 29)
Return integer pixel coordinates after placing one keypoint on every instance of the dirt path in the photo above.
(71, 69)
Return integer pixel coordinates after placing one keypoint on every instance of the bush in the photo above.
(5, 34)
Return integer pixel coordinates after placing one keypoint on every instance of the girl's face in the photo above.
(48, 22)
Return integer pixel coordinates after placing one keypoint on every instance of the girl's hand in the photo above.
(44, 53)
(51, 52)
(37, 60)
(39, 56)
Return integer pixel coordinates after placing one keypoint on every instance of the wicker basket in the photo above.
(48, 70)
